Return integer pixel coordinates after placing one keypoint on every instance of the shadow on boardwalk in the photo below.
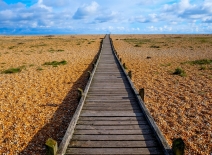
(58, 124)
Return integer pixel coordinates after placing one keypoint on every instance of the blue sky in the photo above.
(105, 16)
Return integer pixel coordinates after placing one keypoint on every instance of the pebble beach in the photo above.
(39, 100)
(181, 105)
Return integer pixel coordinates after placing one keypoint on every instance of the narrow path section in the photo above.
(111, 120)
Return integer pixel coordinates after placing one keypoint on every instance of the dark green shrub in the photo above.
(55, 63)
(180, 72)
(13, 70)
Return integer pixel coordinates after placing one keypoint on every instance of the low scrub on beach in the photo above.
(13, 70)
(180, 72)
(200, 62)
(55, 63)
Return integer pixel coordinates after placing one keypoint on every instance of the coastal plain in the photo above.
(40, 76)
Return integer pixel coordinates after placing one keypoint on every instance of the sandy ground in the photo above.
(38, 102)
(181, 106)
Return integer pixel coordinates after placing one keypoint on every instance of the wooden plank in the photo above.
(111, 108)
(112, 132)
(105, 99)
(112, 122)
(104, 104)
(111, 93)
(117, 151)
(109, 113)
(114, 127)
(112, 86)
(124, 97)
(115, 104)
(99, 104)
(113, 144)
(108, 89)
(110, 80)
(112, 105)
(112, 137)
(111, 118)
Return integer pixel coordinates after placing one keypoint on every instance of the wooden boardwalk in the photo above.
(111, 119)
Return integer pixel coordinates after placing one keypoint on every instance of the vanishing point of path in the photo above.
(111, 120)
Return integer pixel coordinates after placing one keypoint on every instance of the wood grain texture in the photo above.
(130, 151)
(113, 127)
(113, 144)
(112, 137)
(111, 119)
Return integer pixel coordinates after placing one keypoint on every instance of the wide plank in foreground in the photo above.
(112, 137)
(113, 144)
(130, 151)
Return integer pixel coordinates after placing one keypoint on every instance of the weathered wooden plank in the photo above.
(115, 104)
(114, 127)
(112, 122)
(99, 108)
(112, 102)
(111, 108)
(115, 110)
(109, 113)
(111, 118)
(112, 132)
(113, 144)
(93, 89)
(129, 151)
(111, 83)
(126, 96)
(111, 93)
(110, 80)
(111, 105)
(111, 99)
(112, 137)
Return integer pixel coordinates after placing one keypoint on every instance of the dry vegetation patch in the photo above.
(181, 105)
(38, 96)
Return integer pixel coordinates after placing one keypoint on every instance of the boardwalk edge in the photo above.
(70, 130)
(158, 133)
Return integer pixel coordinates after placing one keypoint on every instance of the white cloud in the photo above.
(180, 7)
(6, 14)
(207, 5)
(145, 19)
(41, 5)
(106, 16)
(86, 10)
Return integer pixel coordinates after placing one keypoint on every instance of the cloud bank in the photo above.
(90, 17)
